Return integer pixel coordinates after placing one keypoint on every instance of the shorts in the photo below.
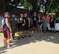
(39, 24)
(18, 26)
(26, 27)
(52, 25)
(7, 34)
(34, 24)
(22, 28)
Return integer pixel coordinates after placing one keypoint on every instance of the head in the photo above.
(21, 15)
(25, 14)
(6, 14)
(13, 15)
(35, 13)
(48, 16)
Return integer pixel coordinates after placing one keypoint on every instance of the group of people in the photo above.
(25, 24)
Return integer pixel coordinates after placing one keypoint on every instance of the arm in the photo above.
(29, 20)
(8, 24)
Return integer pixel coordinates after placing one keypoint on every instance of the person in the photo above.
(52, 23)
(39, 23)
(27, 25)
(48, 24)
(22, 25)
(44, 20)
(18, 24)
(6, 29)
(34, 19)
(13, 25)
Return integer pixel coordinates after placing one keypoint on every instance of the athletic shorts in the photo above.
(39, 24)
(34, 24)
(26, 27)
(7, 34)
(22, 28)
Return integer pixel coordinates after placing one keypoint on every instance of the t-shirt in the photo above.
(13, 22)
(22, 21)
(35, 18)
(26, 20)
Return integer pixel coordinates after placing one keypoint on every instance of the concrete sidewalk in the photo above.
(38, 44)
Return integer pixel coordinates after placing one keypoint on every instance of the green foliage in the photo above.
(26, 5)
(53, 6)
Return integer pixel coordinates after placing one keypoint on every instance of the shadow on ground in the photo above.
(2, 50)
(49, 37)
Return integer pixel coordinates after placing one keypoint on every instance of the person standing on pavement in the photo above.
(13, 26)
(22, 25)
(6, 29)
(27, 24)
(52, 19)
(39, 23)
(48, 24)
(44, 20)
(34, 19)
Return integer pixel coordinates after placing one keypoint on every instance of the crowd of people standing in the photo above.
(23, 23)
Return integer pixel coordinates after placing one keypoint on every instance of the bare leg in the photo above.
(8, 42)
(8, 38)
(5, 42)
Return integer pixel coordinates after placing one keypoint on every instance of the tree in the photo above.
(24, 4)
(53, 6)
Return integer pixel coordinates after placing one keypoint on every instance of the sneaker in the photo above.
(18, 38)
(9, 47)
(22, 37)
(29, 35)
(32, 31)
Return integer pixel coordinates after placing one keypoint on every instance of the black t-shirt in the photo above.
(35, 19)
(26, 20)
(22, 21)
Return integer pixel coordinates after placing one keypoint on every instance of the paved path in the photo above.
(47, 43)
